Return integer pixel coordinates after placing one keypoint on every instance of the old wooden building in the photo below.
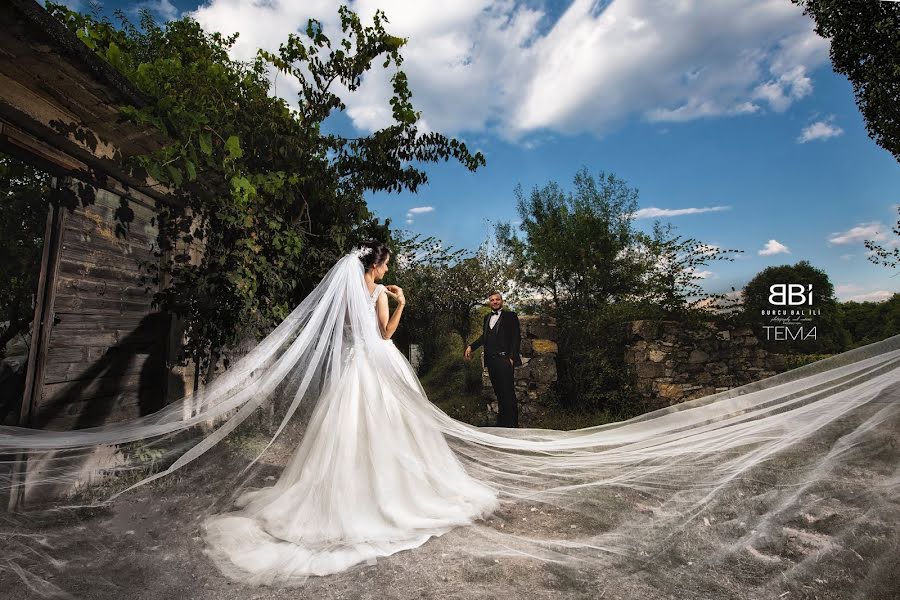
(98, 348)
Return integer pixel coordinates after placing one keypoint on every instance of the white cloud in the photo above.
(855, 293)
(876, 296)
(162, 9)
(863, 231)
(780, 93)
(418, 210)
(773, 247)
(820, 130)
(501, 66)
(652, 211)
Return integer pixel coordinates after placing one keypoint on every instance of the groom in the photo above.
(501, 338)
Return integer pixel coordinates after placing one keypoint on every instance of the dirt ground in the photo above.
(769, 535)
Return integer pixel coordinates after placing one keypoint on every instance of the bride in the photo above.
(372, 476)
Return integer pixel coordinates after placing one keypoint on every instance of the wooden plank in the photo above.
(103, 272)
(119, 413)
(43, 323)
(122, 246)
(76, 254)
(108, 207)
(73, 366)
(143, 211)
(102, 306)
(84, 228)
(82, 288)
(39, 150)
(102, 382)
(80, 355)
(44, 284)
(108, 222)
(89, 321)
(89, 412)
(126, 339)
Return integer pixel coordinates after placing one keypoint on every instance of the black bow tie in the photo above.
(495, 312)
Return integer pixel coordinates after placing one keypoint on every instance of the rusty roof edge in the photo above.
(68, 44)
(49, 30)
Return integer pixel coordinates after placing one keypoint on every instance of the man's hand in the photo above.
(468, 353)
(512, 363)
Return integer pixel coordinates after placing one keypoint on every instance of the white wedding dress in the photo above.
(372, 476)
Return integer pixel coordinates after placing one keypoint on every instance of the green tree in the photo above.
(467, 283)
(868, 322)
(865, 46)
(574, 245)
(831, 336)
(583, 261)
(886, 256)
(24, 201)
(269, 194)
(444, 287)
(418, 264)
(676, 268)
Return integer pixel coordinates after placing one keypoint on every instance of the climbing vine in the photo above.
(261, 185)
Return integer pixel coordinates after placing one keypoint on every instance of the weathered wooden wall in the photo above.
(105, 351)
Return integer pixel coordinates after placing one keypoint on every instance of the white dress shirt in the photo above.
(494, 318)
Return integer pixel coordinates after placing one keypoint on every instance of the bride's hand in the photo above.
(395, 292)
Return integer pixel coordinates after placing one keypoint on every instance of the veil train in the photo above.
(797, 438)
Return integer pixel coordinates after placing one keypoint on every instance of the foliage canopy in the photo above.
(269, 194)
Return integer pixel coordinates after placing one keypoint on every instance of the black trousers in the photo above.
(501, 374)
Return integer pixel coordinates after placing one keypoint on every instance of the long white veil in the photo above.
(728, 474)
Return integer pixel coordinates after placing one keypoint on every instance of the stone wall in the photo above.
(672, 362)
(538, 371)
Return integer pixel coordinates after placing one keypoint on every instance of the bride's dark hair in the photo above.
(377, 253)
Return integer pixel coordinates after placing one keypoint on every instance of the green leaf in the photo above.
(175, 175)
(241, 187)
(233, 147)
(206, 143)
(191, 170)
(114, 55)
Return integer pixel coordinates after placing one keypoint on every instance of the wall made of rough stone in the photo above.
(673, 362)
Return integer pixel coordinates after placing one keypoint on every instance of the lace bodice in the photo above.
(373, 298)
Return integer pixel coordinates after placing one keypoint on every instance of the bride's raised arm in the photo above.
(388, 325)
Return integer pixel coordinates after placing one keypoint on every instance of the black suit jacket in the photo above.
(509, 333)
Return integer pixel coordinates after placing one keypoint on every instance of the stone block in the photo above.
(698, 356)
(657, 356)
(670, 391)
(538, 327)
(541, 346)
(644, 329)
(543, 368)
(525, 348)
(648, 369)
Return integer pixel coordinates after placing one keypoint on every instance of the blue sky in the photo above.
(725, 112)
